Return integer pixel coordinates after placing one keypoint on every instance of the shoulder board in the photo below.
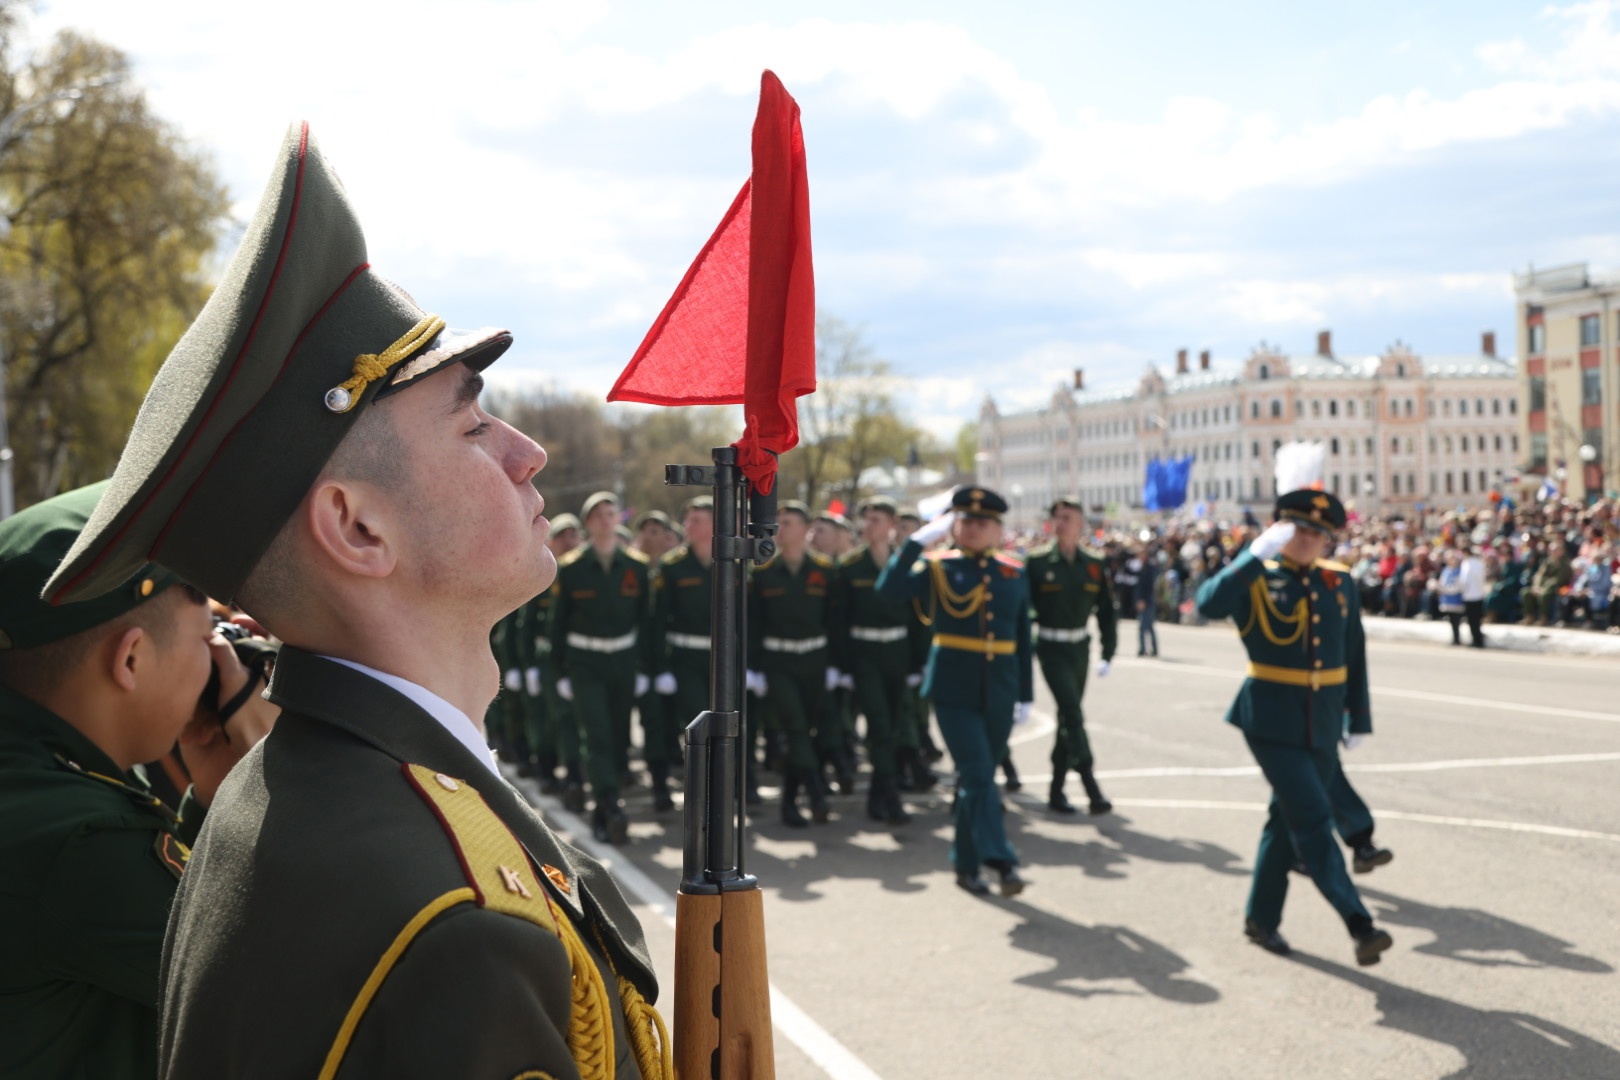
(572, 557)
(496, 867)
(1007, 558)
(1092, 553)
(943, 553)
(1338, 567)
(672, 557)
(638, 556)
(850, 558)
(1272, 564)
(1043, 551)
(821, 560)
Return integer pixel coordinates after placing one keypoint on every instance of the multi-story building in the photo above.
(1569, 336)
(1401, 431)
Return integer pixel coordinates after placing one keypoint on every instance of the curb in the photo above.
(1529, 639)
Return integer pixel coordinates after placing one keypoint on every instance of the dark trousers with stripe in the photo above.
(977, 742)
(1063, 666)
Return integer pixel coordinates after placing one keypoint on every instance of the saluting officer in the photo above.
(682, 609)
(1300, 620)
(1069, 586)
(368, 895)
(874, 637)
(980, 668)
(790, 618)
(596, 619)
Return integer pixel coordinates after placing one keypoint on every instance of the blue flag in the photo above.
(1165, 487)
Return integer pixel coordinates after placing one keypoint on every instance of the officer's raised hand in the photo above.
(935, 530)
(1269, 544)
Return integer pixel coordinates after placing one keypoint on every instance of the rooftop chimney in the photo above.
(1203, 360)
(1324, 343)
(1487, 343)
(1181, 361)
(1079, 378)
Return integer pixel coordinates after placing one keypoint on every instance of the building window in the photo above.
(1299, 407)
(1496, 406)
(1593, 437)
(1451, 484)
(1462, 406)
(1275, 443)
(1265, 371)
(1448, 444)
(1538, 450)
(1433, 448)
(1336, 484)
(1350, 407)
(1408, 407)
(1591, 386)
(1333, 447)
(1465, 483)
(1590, 331)
(1370, 450)
(1514, 440)
(1483, 485)
(1499, 444)
(1445, 407)
(1254, 410)
(1316, 410)
(1513, 406)
(1394, 445)
(1400, 371)
(1409, 444)
(1479, 406)
(1538, 393)
(1353, 479)
(1411, 483)
(1538, 339)
(1255, 448)
(1333, 407)
(1394, 483)
(1276, 409)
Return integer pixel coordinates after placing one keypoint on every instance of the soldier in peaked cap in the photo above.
(92, 859)
(1300, 620)
(367, 889)
(1069, 587)
(682, 609)
(980, 673)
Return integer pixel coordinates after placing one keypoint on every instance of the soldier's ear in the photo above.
(354, 526)
(127, 655)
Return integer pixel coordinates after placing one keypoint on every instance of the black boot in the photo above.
(790, 800)
(1011, 883)
(1269, 940)
(663, 802)
(816, 787)
(608, 823)
(1055, 799)
(573, 795)
(1371, 942)
(1099, 804)
(915, 775)
(1011, 772)
(843, 770)
(751, 785)
(1367, 856)
(886, 795)
(548, 773)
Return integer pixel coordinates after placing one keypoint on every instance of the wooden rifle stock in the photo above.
(722, 990)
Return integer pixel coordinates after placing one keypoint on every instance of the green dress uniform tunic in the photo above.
(596, 640)
(456, 933)
(510, 733)
(682, 608)
(562, 725)
(979, 668)
(790, 621)
(91, 860)
(1066, 595)
(873, 639)
(1302, 628)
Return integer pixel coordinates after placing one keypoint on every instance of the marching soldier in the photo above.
(790, 618)
(596, 618)
(980, 672)
(917, 731)
(1069, 586)
(1300, 621)
(561, 732)
(874, 638)
(681, 610)
(367, 889)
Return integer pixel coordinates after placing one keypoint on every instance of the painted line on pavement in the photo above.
(1415, 695)
(1379, 767)
(1427, 819)
(830, 1055)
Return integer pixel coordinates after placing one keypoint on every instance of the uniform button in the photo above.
(987, 579)
(989, 615)
(1313, 594)
(1316, 618)
(446, 783)
(1316, 641)
(1319, 663)
(989, 637)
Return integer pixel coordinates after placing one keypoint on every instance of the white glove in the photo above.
(1353, 740)
(1103, 668)
(1021, 712)
(1271, 542)
(514, 679)
(914, 680)
(935, 530)
(755, 682)
(834, 677)
(565, 688)
(846, 681)
(531, 681)
(642, 685)
(665, 683)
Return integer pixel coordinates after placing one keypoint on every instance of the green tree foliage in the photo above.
(108, 223)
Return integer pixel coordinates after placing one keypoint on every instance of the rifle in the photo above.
(722, 992)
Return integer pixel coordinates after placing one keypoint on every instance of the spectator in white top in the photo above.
(1474, 588)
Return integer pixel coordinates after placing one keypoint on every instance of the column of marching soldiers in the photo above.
(625, 629)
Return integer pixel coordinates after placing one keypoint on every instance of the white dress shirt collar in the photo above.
(454, 720)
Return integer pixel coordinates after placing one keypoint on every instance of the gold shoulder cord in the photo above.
(1260, 604)
(956, 605)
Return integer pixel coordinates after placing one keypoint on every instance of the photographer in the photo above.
(92, 857)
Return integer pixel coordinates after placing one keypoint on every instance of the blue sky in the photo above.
(1000, 194)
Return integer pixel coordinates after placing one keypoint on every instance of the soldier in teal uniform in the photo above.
(92, 859)
(682, 605)
(1069, 586)
(916, 731)
(596, 621)
(790, 620)
(873, 635)
(1300, 621)
(980, 673)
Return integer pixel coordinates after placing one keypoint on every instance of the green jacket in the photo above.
(683, 603)
(325, 848)
(858, 604)
(1065, 595)
(792, 606)
(600, 603)
(1295, 622)
(91, 861)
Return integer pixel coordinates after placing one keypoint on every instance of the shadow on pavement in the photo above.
(1460, 932)
(1112, 845)
(1099, 954)
(1497, 1045)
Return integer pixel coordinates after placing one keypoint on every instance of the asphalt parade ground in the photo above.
(1494, 777)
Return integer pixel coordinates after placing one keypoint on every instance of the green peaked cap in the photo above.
(298, 337)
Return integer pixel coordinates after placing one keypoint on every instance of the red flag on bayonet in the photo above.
(740, 328)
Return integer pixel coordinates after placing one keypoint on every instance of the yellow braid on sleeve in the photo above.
(369, 367)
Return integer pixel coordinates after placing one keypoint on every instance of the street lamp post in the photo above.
(8, 127)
